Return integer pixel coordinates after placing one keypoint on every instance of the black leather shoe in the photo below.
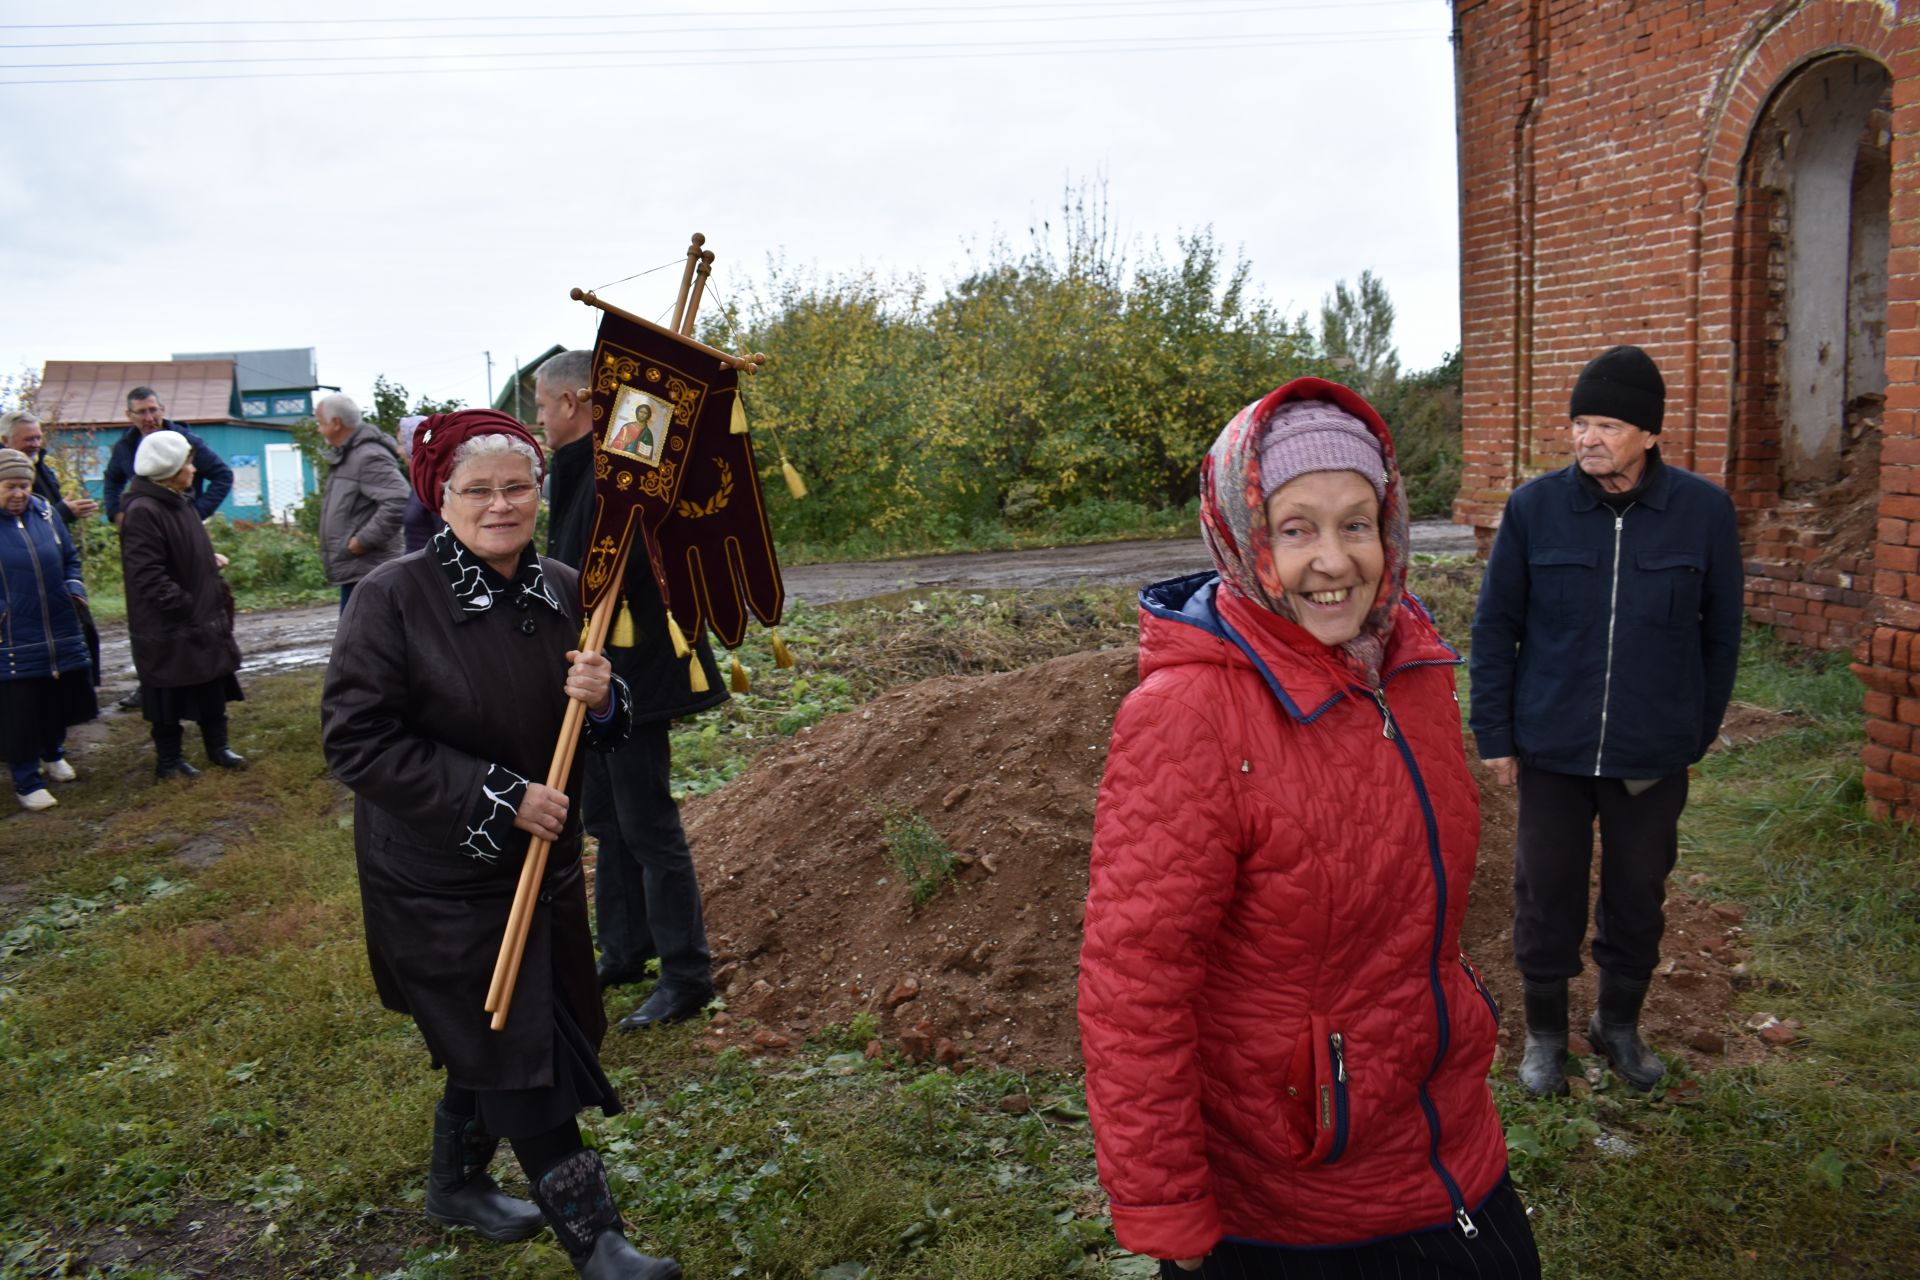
(460, 1191)
(175, 767)
(667, 1004)
(130, 701)
(610, 977)
(226, 758)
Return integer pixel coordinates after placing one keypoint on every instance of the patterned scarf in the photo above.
(476, 586)
(1233, 519)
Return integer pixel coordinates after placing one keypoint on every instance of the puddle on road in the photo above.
(287, 660)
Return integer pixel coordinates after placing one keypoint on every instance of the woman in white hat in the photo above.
(179, 609)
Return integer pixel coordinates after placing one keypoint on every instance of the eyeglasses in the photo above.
(481, 495)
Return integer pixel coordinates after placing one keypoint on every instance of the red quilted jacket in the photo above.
(1283, 1040)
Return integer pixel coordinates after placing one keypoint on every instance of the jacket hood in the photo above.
(1194, 620)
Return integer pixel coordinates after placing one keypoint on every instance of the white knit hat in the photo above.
(161, 454)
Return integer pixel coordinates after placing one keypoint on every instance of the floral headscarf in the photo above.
(1233, 518)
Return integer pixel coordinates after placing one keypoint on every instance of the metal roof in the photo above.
(94, 392)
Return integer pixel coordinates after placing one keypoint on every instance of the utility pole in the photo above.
(516, 389)
(489, 356)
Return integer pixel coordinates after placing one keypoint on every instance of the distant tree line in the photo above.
(1057, 387)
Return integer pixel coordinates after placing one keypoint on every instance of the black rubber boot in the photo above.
(460, 1191)
(1543, 1067)
(214, 737)
(168, 759)
(579, 1204)
(1615, 1031)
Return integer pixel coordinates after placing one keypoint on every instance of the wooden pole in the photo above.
(506, 970)
(686, 279)
(699, 288)
(746, 364)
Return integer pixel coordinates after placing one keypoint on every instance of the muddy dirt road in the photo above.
(288, 639)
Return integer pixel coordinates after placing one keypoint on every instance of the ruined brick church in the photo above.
(1733, 185)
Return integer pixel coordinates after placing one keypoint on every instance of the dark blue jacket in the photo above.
(1606, 647)
(212, 478)
(40, 632)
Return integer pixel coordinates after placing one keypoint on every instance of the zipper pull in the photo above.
(1619, 522)
(1467, 1228)
(1386, 716)
(1339, 1058)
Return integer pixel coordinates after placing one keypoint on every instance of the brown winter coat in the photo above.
(179, 608)
(421, 700)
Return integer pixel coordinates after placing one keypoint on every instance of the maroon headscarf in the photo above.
(435, 440)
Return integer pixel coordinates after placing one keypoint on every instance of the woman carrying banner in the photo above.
(1286, 1052)
(450, 676)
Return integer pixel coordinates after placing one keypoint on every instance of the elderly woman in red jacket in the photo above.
(1286, 1050)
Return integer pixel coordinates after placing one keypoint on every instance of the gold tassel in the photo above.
(738, 426)
(623, 637)
(782, 656)
(696, 675)
(585, 627)
(680, 649)
(795, 485)
(737, 679)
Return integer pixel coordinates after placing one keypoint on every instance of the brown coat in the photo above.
(421, 698)
(179, 608)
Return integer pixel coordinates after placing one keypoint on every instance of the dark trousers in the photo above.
(646, 898)
(1503, 1250)
(1639, 842)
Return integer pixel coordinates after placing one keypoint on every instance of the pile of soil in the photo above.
(812, 921)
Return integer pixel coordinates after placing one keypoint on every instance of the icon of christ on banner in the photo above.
(639, 427)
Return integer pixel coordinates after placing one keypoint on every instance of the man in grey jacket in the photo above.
(365, 495)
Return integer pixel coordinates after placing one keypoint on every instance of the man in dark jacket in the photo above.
(365, 495)
(1604, 649)
(646, 896)
(21, 430)
(212, 478)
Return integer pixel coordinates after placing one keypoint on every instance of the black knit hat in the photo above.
(1623, 383)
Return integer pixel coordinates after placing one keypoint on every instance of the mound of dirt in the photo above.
(813, 921)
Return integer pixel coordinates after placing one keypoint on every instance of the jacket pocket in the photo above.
(1672, 585)
(1473, 976)
(1317, 1086)
(1566, 579)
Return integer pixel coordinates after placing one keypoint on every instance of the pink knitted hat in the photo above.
(1318, 435)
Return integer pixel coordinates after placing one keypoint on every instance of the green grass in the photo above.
(201, 1080)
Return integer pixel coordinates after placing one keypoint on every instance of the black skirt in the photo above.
(35, 714)
(578, 1083)
(202, 703)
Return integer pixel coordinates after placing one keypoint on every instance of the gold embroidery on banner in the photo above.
(624, 481)
(602, 465)
(653, 375)
(600, 563)
(713, 505)
(686, 400)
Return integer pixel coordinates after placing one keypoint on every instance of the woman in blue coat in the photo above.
(46, 680)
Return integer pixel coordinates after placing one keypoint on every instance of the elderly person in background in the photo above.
(449, 681)
(365, 495)
(418, 523)
(21, 430)
(179, 609)
(44, 681)
(1286, 1050)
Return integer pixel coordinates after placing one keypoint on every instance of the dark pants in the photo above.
(346, 593)
(646, 897)
(1639, 842)
(27, 778)
(1503, 1250)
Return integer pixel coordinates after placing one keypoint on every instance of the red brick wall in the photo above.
(1601, 169)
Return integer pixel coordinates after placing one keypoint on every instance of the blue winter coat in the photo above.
(1604, 646)
(40, 632)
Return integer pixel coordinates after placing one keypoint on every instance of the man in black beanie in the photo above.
(1604, 648)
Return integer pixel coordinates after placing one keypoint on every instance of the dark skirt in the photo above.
(35, 714)
(578, 1083)
(202, 703)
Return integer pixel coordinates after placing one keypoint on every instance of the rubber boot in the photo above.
(1543, 1067)
(460, 1191)
(578, 1203)
(213, 735)
(168, 759)
(1615, 1031)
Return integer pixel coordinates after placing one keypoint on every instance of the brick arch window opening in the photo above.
(1810, 294)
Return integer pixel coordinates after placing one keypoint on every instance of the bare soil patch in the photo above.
(813, 923)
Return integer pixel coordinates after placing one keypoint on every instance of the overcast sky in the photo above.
(407, 191)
